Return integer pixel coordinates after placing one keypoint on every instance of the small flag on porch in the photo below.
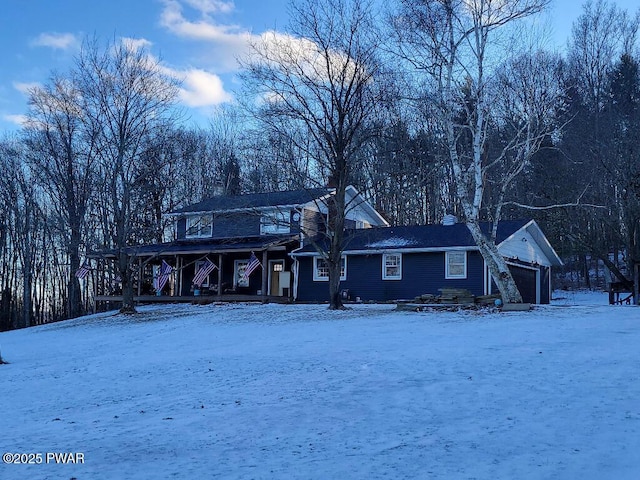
(205, 269)
(161, 280)
(251, 266)
(84, 270)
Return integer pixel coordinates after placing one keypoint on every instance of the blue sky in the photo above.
(197, 39)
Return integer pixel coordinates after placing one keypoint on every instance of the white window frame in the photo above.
(193, 220)
(239, 266)
(447, 264)
(386, 267)
(275, 221)
(325, 278)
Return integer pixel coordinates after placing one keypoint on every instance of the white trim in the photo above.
(447, 275)
(275, 222)
(528, 267)
(271, 272)
(485, 277)
(538, 278)
(236, 278)
(384, 267)
(198, 235)
(540, 239)
(296, 276)
(393, 250)
(317, 278)
(234, 210)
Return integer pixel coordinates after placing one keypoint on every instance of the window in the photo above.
(238, 273)
(392, 266)
(199, 226)
(275, 222)
(455, 265)
(321, 269)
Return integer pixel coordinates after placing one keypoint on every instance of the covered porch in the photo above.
(227, 282)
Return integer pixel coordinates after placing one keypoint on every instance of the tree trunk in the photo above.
(497, 265)
(336, 207)
(74, 299)
(128, 304)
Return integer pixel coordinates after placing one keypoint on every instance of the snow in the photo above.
(245, 391)
(393, 242)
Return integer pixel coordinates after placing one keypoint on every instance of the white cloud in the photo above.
(60, 41)
(203, 89)
(212, 6)
(26, 87)
(19, 120)
(173, 19)
(225, 42)
(135, 44)
(199, 88)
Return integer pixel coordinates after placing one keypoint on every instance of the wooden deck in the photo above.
(195, 299)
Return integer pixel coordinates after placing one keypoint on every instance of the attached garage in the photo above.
(527, 281)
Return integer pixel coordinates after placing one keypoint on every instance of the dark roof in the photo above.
(418, 237)
(255, 200)
(203, 246)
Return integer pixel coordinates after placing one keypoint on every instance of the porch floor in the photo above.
(196, 299)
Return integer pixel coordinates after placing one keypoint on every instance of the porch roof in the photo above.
(204, 246)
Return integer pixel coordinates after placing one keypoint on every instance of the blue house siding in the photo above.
(227, 225)
(236, 225)
(421, 273)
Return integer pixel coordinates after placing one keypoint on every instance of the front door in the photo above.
(275, 267)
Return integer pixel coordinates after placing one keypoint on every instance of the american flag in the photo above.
(161, 280)
(84, 270)
(205, 269)
(251, 266)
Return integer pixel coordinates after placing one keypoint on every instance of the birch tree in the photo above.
(454, 46)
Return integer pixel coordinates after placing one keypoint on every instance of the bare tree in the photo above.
(62, 160)
(321, 79)
(20, 203)
(457, 43)
(127, 98)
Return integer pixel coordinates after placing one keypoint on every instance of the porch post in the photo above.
(264, 273)
(219, 274)
(636, 280)
(179, 264)
(139, 276)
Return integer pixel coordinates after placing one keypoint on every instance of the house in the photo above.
(394, 263)
(226, 231)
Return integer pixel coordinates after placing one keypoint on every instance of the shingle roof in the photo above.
(254, 200)
(203, 246)
(418, 237)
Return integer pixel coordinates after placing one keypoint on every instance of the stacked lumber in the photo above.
(449, 299)
(458, 296)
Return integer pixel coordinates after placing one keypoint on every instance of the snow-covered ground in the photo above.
(296, 391)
